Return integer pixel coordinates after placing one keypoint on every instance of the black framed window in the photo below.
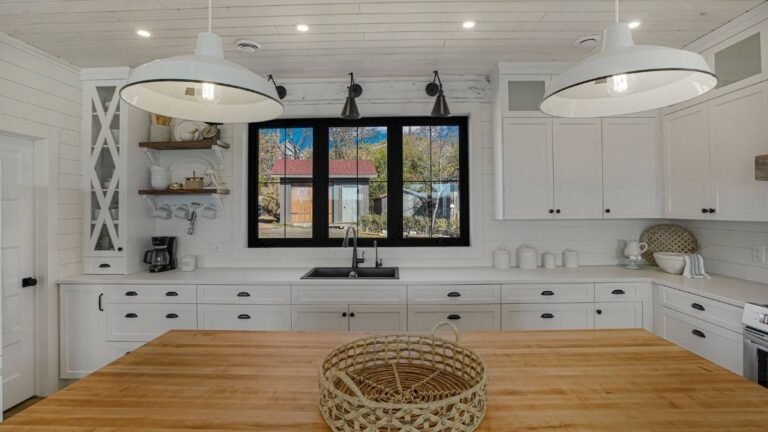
(403, 181)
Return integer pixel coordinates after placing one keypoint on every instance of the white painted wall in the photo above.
(598, 241)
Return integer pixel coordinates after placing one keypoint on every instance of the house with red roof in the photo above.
(348, 190)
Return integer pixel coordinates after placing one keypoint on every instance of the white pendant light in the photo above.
(626, 78)
(204, 86)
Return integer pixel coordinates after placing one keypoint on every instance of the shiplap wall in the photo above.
(598, 241)
(727, 247)
(39, 92)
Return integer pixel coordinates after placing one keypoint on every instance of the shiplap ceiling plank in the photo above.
(371, 37)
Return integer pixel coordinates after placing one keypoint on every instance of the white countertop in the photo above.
(726, 289)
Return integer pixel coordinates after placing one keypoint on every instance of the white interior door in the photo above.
(17, 263)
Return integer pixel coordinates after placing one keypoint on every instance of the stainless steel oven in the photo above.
(755, 322)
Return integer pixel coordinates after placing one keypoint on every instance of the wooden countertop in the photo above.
(597, 380)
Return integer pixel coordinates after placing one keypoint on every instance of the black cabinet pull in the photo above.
(243, 294)
(599, 311)
(454, 317)
(698, 333)
(351, 314)
(618, 292)
(607, 210)
(547, 316)
(171, 294)
(547, 293)
(131, 293)
(120, 249)
(105, 265)
(705, 211)
(131, 315)
(454, 294)
(101, 307)
(171, 316)
(344, 314)
(551, 211)
(712, 210)
(557, 211)
(698, 307)
(243, 316)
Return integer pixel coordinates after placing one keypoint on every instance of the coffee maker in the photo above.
(162, 256)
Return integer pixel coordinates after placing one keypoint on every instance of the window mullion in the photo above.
(320, 184)
(395, 183)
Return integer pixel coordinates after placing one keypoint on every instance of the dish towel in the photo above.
(694, 267)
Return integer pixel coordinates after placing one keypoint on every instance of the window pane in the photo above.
(373, 220)
(444, 219)
(416, 153)
(445, 153)
(285, 183)
(417, 201)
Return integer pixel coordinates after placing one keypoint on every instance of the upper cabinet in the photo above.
(526, 169)
(521, 95)
(740, 61)
(578, 168)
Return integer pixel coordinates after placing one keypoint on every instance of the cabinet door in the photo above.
(421, 318)
(244, 317)
(144, 322)
(527, 169)
(578, 168)
(619, 315)
(686, 160)
(629, 168)
(738, 132)
(82, 320)
(391, 318)
(320, 318)
(522, 94)
(567, 316)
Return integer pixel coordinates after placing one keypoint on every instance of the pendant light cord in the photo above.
(210, 14)
(617, 11)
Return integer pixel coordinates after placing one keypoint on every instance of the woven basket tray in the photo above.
(668, 238)
(403, 382)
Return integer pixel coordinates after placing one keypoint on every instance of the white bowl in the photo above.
(670, 262)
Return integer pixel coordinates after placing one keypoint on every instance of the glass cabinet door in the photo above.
(522, 94)
(104, 178)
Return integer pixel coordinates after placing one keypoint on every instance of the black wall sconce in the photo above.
(350, 111)
(435, 88)
(281, 91)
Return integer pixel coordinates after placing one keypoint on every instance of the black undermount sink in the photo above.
(351, 273)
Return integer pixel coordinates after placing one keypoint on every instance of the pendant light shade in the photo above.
(203, 86)
(350, 111)
(440, 109)
(626, 78)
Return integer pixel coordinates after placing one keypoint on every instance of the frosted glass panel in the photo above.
(739, 61)
(525, 95)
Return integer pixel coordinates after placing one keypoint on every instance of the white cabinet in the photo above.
(144, 322)
(619, 315)
(562, 316)
(526, 188)
(349, 317)
(629, 168)
(454, 294)
(521, 94)
(548, 293)
(391, 318)
(243, 317)
(115, 234)
(81, 330)
(686, 154)
(578, 168)
(422, 318)
(320, 317)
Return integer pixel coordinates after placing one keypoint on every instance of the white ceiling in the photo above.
(370, 37)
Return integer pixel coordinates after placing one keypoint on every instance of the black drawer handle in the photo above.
(547, 293)
(243, 316)
(131, 293)
(698, 307)
(243, 294)
(172, 315)
(131, 315)
(618, 292)
(105, 265)
(699, 333)
(547, 316)
(599, 311)
(454, 294)
(171, 294)
(454, 317)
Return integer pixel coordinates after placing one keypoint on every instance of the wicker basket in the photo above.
(403, 383)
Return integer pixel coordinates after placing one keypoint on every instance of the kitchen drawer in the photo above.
(716, 312)
(144, 322)
(343, 293)
(115, 350)
(566, 316)
(244, 317)
(244, 294)
(607, 292)
(151, 294)
(104, 265)
(466, 317)
(454, 294)
(712, 342)
(548, 293)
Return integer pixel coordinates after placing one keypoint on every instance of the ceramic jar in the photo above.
(527, 257)
(570, 258)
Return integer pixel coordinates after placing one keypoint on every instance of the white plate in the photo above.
(184, 167)
(183, 131)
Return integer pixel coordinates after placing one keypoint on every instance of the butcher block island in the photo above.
(592, 380)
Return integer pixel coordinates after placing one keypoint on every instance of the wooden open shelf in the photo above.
(184, 145)
(184, 192)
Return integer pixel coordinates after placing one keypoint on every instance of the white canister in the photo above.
(527, 257)
(188, 263)
(501, 257)
(549, 260)
(570, 258)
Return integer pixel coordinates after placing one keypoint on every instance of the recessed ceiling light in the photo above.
(634, 24)
(468, 24)
(302, 28)
(247, 46)
(143, 33)
(589, 41)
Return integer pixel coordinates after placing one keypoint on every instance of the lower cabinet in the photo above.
(349, 317)
(115, 350)
(619, 315)
(243, 317)
(563, 316)
(82, 325)
(422, 318)
(144, 322)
